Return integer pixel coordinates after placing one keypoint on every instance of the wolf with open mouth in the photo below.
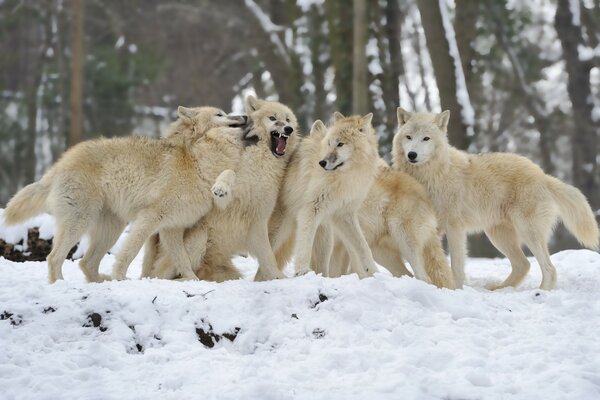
(271, 137)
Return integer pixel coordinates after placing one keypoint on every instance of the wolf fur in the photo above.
(159, 185)
(505, 195)
(397, 218)
(243, 227)
(327, 180)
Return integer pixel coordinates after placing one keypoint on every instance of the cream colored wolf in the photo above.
(243, 227)
(159, 185)
(397, 219)
(505, 195)
(328, 179)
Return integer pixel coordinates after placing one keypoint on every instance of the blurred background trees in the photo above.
(517, 76)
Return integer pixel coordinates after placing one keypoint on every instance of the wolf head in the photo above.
(420, 136)
(348, 139)
(274, 123)
(195, 122)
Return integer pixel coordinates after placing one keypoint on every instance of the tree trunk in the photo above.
(446, 71)
(465, 27)
(396, 69)
(360, 90)
(317, 49)
(77, 61)
(584, 136)
(339, 17)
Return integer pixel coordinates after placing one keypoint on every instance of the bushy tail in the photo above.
(436, 264)
(576, 213)
(27, 203)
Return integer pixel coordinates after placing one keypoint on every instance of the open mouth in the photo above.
(412, 161)
(278, 143)
(334, 168)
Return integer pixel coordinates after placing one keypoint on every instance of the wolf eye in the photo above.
(340, 144)
(219, 115)
(272, 118)
(426, 138)
(287, 120)
(408, 137)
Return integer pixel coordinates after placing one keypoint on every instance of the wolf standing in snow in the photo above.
(505, 195)
(159, 185)
(243, 226)
(328, 179)
(398, 219)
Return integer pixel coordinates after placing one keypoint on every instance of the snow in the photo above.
(575, 9)
(462, 94)
(300, 338)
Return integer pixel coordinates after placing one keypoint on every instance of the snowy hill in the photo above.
(300, 338)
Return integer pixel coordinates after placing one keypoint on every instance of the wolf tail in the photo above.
(576, 213)
(27, 203)
(436, 264)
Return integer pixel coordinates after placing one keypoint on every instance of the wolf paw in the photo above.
(221, 194)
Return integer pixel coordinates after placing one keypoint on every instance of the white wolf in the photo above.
(243, 226)
(327, 180)
(99, 185)
(505, 195)
(398, 219)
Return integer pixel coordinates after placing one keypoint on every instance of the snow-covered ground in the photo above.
(300, 338)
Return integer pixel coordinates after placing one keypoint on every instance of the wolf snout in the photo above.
(412, 156)
(288, 130)
(323, 163)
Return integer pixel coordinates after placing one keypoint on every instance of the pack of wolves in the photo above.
(218, 185)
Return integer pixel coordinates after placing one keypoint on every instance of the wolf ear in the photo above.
(252, 104)
(337, 116)
(403, 116)
(365, 122)
(186, 113)
(441, 120)
(318, 129)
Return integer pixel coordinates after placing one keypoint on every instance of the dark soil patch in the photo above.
(37, 249)
(209, 338)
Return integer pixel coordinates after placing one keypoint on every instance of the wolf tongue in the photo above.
(281, 142)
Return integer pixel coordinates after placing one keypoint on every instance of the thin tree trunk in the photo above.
(584, 137)
(360, 100)
(339, 16)
(392, 33)
(447, 70)
(77, 61)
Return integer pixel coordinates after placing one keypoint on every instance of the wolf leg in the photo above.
(504, 238)
(322, 249)
(392, 260)
(172, 240)
(145, 225)
(306, 229)
(259, 246)
(457, 242)
(67, 236)
(351, 234)
(151, 248)
(103, 236)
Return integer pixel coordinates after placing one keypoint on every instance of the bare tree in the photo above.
(448, 70)
(584, 137)
(77, 60)
(359, 72)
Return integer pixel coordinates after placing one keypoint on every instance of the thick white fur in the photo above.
(398, 220)
(505, 195)
(243, 226)
(156, 184)
(316, 195)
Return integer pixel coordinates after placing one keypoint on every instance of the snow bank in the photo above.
(300, 338)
